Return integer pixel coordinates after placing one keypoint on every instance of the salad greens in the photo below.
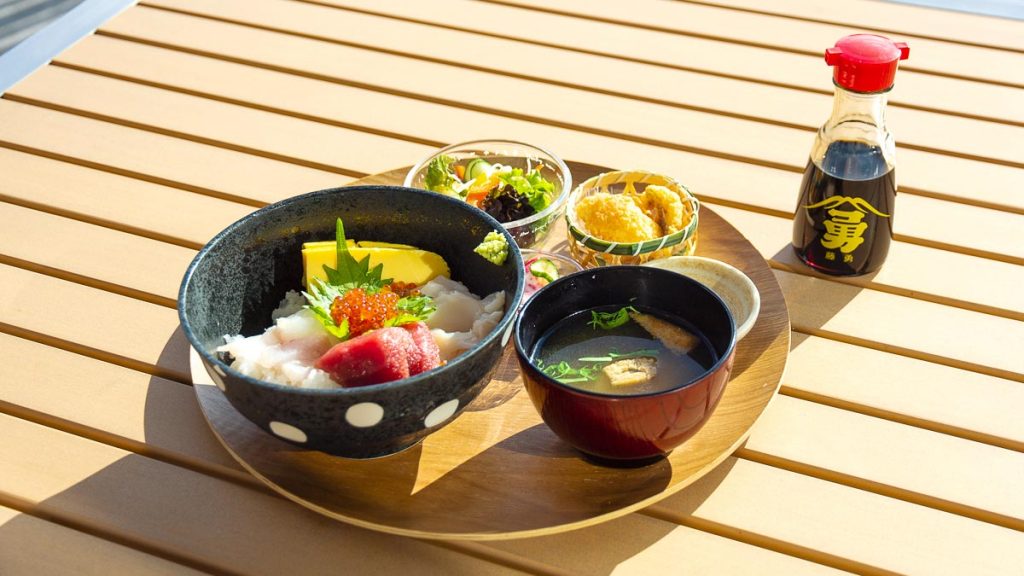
(351, 274)
(609, 320)
(504, 192)
(532, 186)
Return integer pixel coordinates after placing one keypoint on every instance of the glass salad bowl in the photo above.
(522, 186)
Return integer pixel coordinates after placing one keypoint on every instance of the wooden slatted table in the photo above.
(896, 444)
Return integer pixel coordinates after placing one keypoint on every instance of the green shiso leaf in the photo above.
(412, 309)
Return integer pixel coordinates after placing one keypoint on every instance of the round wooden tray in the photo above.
(497, 471)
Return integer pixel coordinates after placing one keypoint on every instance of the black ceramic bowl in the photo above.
(240, 277)
(627, 426)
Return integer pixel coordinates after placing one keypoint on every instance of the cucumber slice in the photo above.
(544, 269)
(475, 167)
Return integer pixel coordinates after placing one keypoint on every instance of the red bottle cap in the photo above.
(866, 62)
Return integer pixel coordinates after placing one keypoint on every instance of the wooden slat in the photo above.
(124, 260)
(662, 125)
(116, 201)
(27, 546)
(926, 466)
(979, 342)
(823, 519)
(909, 270)
(132, 332)
(639, 544)
(208, 521)
(155, 157)
(702, 91)
(125, 407)
(946, 399)
(925, 22)
(809, 38)
(982, 230)
(226, 125)
(709, 56)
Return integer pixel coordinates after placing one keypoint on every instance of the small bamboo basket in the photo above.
(592, 252)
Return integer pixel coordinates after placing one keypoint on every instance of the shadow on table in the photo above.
(174, 424)
(813, 298)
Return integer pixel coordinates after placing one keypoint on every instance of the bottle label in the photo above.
(844, 229)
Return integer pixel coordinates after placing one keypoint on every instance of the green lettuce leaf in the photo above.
(439, 177)
(532, 186)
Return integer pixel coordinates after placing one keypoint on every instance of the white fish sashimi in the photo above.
(442, 285)
(462, 319)
(451, 344)
(287, 351)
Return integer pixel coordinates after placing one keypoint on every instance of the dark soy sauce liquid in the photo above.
(572, 338)
(838, 228)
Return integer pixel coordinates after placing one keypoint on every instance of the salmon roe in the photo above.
(365, 311)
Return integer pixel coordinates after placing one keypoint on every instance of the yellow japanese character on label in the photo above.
(844, 230)
(830, 255)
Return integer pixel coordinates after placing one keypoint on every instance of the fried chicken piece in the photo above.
(662, 205)
(616, 218)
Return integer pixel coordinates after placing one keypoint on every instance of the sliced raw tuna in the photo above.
(424, 354)
(374, 357)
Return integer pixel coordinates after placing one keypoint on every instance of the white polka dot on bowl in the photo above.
(287, 431)
(441, 413)
(364, 414)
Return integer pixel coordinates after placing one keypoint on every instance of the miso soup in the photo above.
(607, 350)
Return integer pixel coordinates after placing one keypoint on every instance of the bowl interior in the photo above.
(661, 290)
(241, 275)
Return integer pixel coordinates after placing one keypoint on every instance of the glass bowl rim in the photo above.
(555, 205)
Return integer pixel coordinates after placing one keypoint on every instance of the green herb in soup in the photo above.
(637, 351)
(610, 320)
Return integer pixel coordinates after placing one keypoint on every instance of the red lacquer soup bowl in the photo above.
(627, 426)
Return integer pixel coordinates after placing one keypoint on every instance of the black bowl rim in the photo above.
(588, 393)
(497, 331)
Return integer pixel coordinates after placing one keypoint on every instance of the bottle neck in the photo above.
(855, 108)
(855, 128)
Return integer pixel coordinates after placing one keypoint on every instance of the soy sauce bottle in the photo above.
(843, 221)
